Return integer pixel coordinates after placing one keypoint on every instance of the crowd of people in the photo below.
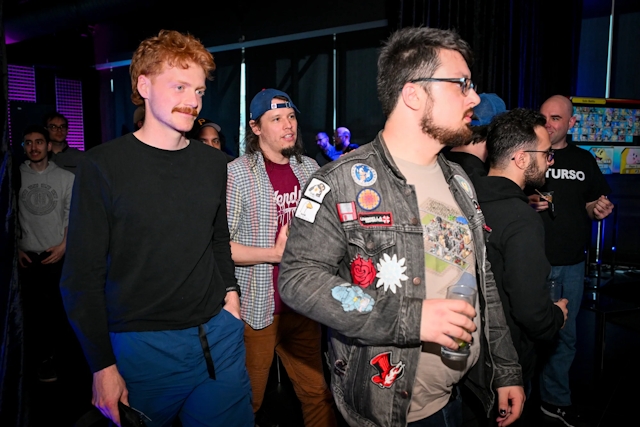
(184, 271)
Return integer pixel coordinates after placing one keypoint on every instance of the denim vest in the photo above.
(375, 333)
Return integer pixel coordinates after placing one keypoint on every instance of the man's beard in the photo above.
(533, 176)
(290, 151)
(447, 137)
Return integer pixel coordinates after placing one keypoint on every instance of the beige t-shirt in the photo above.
(449, 259)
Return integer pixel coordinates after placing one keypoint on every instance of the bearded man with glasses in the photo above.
(372, 255)
(62, 155)
(519, 154)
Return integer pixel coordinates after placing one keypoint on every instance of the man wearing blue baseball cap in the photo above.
(263, 190)
(473, 155)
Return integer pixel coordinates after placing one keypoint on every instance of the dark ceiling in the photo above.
(83, 33)
(112, 29)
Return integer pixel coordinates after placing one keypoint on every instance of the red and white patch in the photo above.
(375, 219)
(477, 206)
(388, 372)
(347, 211)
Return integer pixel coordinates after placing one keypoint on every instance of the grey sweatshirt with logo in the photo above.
(43, 206)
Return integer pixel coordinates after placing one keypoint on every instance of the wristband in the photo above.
(233, 288)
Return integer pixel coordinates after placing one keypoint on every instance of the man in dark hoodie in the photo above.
(519, 154)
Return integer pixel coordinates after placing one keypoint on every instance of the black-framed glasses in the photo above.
(56, 127)
(465, 83)
(550, 153)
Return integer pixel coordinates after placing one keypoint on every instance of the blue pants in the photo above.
(449, 416)
(166, 374)
(554, 379)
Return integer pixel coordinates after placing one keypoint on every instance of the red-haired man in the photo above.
(149, 282)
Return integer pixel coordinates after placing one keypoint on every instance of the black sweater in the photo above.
(515, 249)
(148, 242)
(472, 165)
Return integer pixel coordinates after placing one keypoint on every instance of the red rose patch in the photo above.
(363, 272)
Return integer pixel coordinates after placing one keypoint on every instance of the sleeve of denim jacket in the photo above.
(308, 277)
(507, 370)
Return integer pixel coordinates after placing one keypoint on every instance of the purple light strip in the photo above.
(22, 83)
(69, 104)
(21, 86)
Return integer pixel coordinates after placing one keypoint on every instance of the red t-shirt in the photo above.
(286, 194)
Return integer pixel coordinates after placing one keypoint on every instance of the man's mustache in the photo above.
(185, 110)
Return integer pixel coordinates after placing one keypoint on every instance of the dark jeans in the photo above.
(44, 315)
(554, 380)
(449, 416)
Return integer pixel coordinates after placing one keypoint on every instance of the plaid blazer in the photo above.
(252, 216)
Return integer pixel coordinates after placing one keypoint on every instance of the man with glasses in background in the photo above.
(43, 211)
(520, 153)
(575, 193)
(372, 255)
(64, 156)
(325, 149)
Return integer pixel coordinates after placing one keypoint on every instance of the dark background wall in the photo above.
(525, 51)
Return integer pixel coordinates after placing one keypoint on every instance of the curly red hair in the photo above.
(170, 47)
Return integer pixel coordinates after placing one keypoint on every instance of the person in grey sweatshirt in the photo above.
(43, 212)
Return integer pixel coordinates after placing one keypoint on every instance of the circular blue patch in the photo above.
(363, 175)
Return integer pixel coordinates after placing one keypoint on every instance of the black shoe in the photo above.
(47, 372)
(567, 414)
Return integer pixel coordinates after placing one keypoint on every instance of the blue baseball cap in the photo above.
(490, 106)
(261, 103)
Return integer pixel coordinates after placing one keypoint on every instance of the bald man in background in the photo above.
(578, 195)
(342, 142)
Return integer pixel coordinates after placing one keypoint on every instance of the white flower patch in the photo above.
(391, 272)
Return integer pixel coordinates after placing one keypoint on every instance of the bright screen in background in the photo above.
(622, 160)
(605, 124)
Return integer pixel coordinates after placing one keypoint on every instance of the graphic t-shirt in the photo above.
(449, 259)
(575, 180)
(286, 194)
